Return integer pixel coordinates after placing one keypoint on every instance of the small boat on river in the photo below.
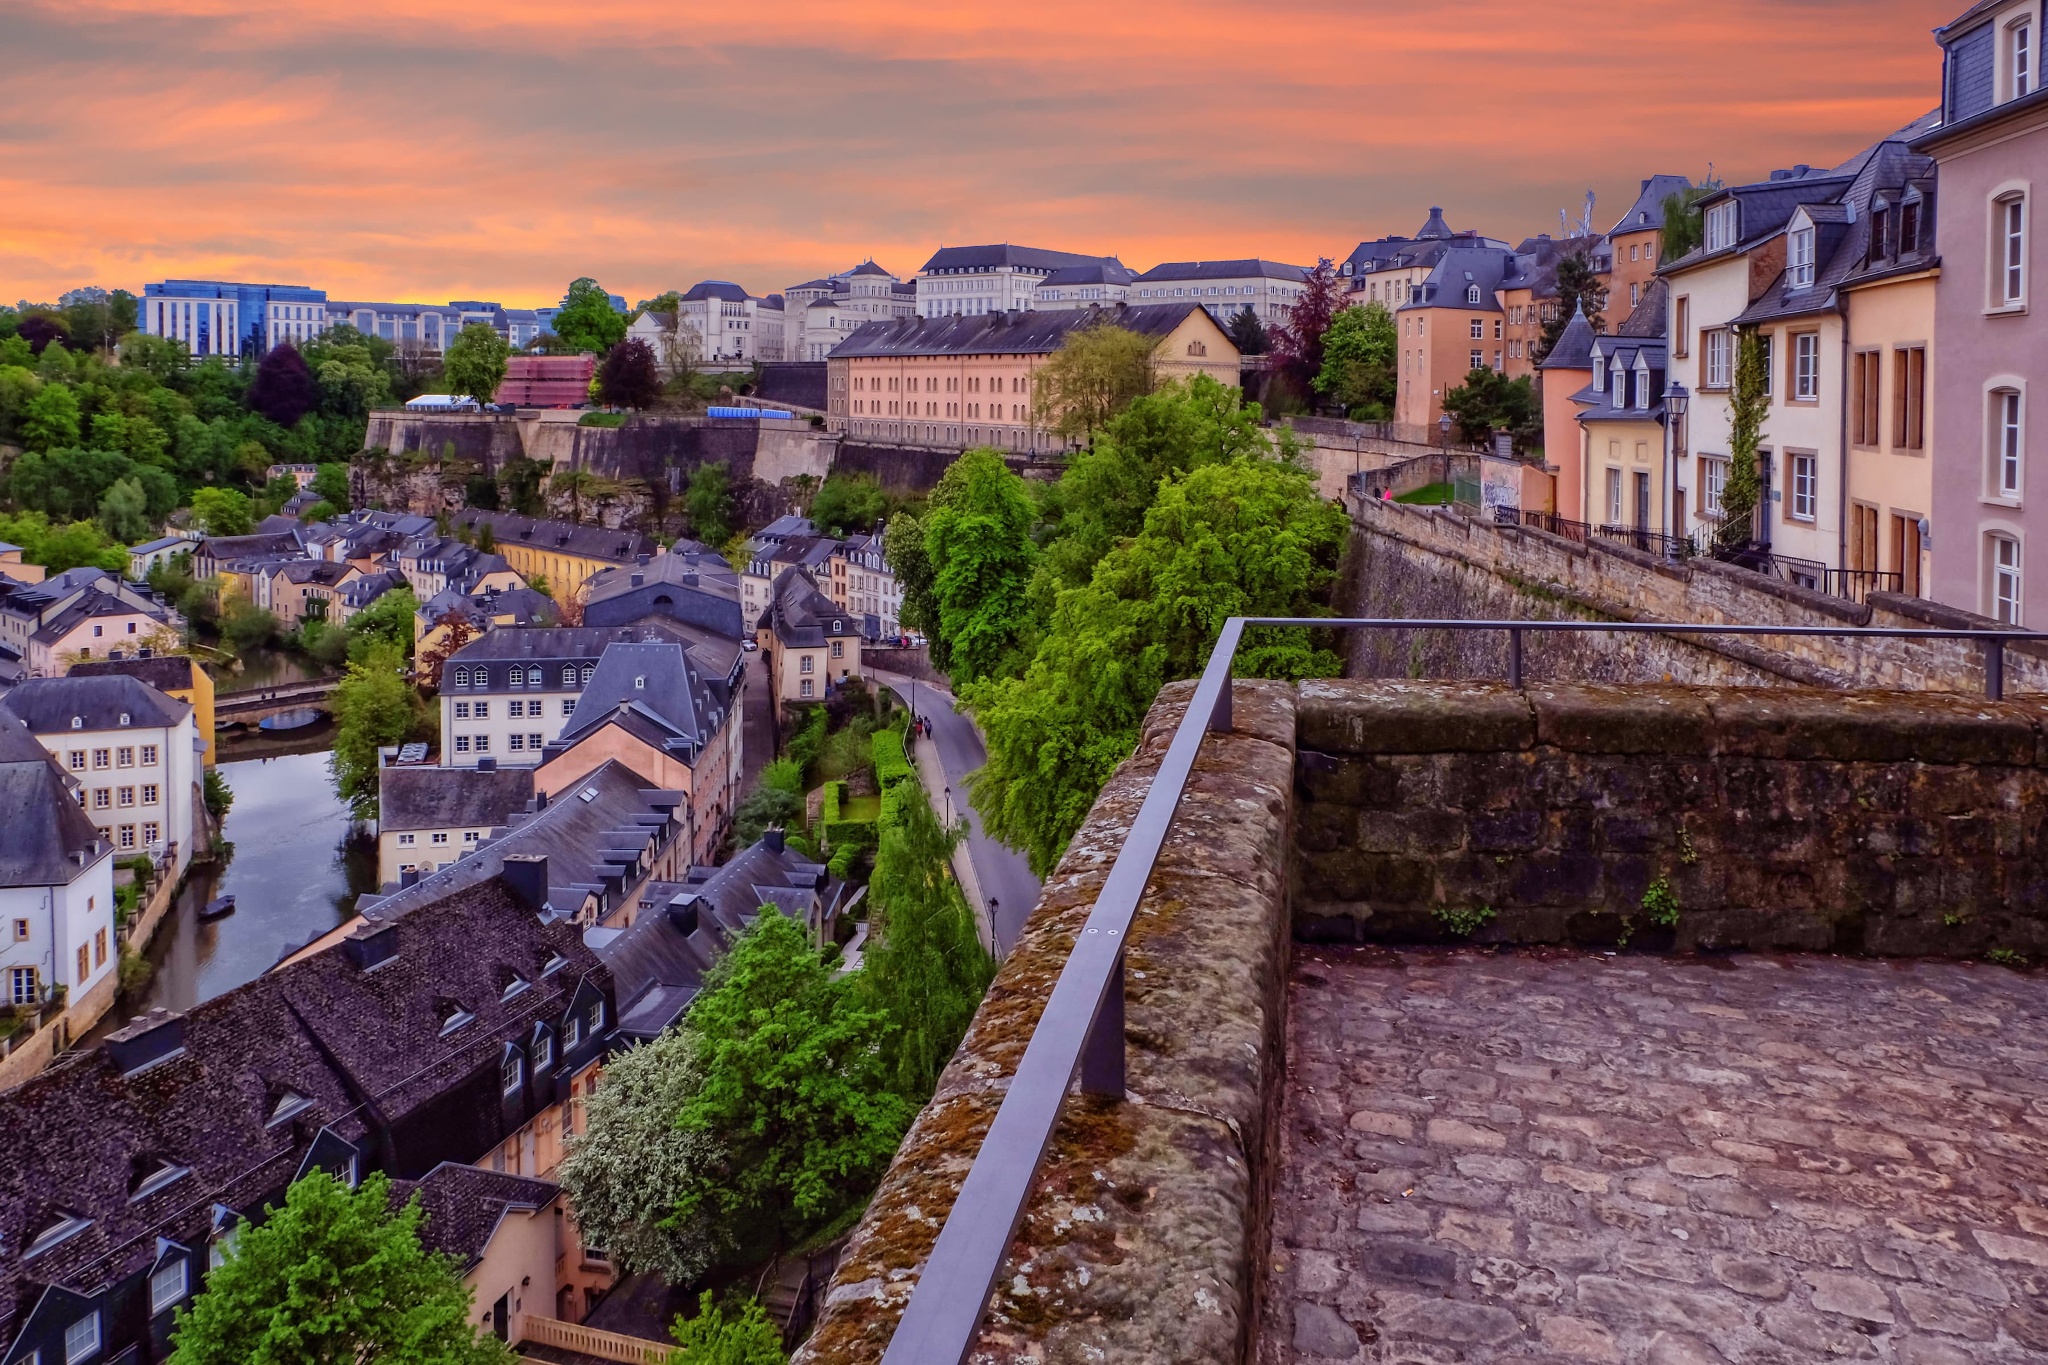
(220, 907)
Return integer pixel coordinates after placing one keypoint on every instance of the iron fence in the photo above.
(1082, 1026)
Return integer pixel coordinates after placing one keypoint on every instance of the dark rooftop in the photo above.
(443, 798)
(1029, 333)
(96, 702)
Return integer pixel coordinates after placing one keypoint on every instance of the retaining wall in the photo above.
(1142, 1235)
(1427, 562)
(1880, 823)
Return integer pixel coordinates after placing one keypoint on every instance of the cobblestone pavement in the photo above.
(1551, 1156)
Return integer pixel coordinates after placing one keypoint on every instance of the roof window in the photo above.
(514, 986)
(288, 1104)
(153, 1174)
(453, 1016)
(554, 964)
(60, 1229)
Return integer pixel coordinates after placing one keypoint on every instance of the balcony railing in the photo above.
(1082, 1025)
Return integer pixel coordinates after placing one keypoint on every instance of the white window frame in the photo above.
(2010, 226)
(1806, 367)
(1613, 496)
(2019, 55)
(82, 1345)
(1718, 365)
(1799, 257)
(159, 1300)
(2006, 603)
(1803, 492)
(1713, 484)
(2008, 418)
(1721, 226)
(512, 1077)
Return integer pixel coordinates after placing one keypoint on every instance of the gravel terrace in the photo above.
(1550, 1156)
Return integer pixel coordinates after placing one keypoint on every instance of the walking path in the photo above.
(997, 878)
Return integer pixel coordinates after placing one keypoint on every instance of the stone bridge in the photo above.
(1672, 1024)
(254, 705)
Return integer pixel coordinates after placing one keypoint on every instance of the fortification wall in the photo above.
(1866, 822)
(1434, 563)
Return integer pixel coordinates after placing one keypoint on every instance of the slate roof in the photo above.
(544, 644)
(961, 258)
(1457, 270)
(421, 797)
(1648, 209)
(698, 582)
(588, 542)
(1031, 333)
(465, 1204)
(90, 603)
(657, 692)
(723, 290)
(576, 836)
(45, 839)
(226, 549)
(360, 1053)
(1095, 272)
(1648, 317)
(870, 268)
(1573, 348)
(801, 616)
(1434, 225)
(658, 964)
(525, 606)
(1223, 270)
(151, 546)
(360, 592)
(164, 672)
(48, 705)
(319, 572)
(1842, 227)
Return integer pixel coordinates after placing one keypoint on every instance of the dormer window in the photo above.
(1599, 373)
(77, 723)
(543, 1052)
(289, 1104)
(514, 987)
(1642, 386)
(453, 1016)
(512, 1072)
(56, 1232)
(1909, 228)
(1799, 257)
(554, 964)
(169, 1284)
(154, 1175)
(2020, 47)
(124, 717)
(1620, 394)
(1720, 226)
(639, 682)
(1880, 222)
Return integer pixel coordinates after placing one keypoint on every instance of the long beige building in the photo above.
(968, 380)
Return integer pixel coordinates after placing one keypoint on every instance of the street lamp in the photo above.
(1676, 399)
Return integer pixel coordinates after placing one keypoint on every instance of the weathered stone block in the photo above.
(1412, 718)
(1624, 720)
(1870, 727)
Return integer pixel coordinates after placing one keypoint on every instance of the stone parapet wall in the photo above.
(1432, 563)
(1142, 1237)
(1864, 822)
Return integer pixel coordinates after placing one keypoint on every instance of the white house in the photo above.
(133, 751)
(56, 884)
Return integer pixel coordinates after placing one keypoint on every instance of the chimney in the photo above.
(682, 913)
(153, 1038)
(487, 765)
(773, 840)
(408, 876)
(526, 876)
(372, 945)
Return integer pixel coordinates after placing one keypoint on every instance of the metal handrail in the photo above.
(1082, 1024)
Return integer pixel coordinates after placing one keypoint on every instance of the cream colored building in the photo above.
(821, 313)
(968, 381)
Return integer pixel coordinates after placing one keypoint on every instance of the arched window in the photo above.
(1471, 293)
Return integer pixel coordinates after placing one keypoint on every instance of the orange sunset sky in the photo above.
(387, 150)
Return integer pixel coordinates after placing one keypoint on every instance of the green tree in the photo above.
(1748, 405)
(793, 1089)
(977, 533)
(337, 1277)
(1105, 492)
(330, 482)
(1684, 229)
(386, 623)
(223, 512)
(588, 321)
(350, 369)
(1489, 401)
(124, 512)
(849, 502)
(49, 418)
(708, 501)
(219, 796)
(373, 706)
(925, 967)
(475, 362)
(1359, 355)
(1248, 538)
(622, 1172)
(903, 545)
(523, 481)
(246, 625)
(1248, 334)
(740, 1335)
(1095, 374)
(1579, 291)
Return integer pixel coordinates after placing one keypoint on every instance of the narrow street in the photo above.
(1001, 876)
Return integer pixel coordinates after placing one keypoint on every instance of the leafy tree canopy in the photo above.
(1360, 351)
(629, 377)
(1578, 291)
(903, 544)
(793, 1088)
(1489, 401)
(708, 502)
(849, 502)
(1094, 375)
(1250, 537)
(284, 389)
(587, 321)
(1248, 333)
(475, 362)
(978, 536)
(223, 512)
(373, 706)
(1298, 342)
(336, 1275)
(740, 1335)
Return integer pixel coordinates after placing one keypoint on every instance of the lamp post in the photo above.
(1443, 432)
(1675, 400)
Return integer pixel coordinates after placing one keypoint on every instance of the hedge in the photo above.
(839, 832)
(891, 765)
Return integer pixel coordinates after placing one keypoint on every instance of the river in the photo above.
(292, 876)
